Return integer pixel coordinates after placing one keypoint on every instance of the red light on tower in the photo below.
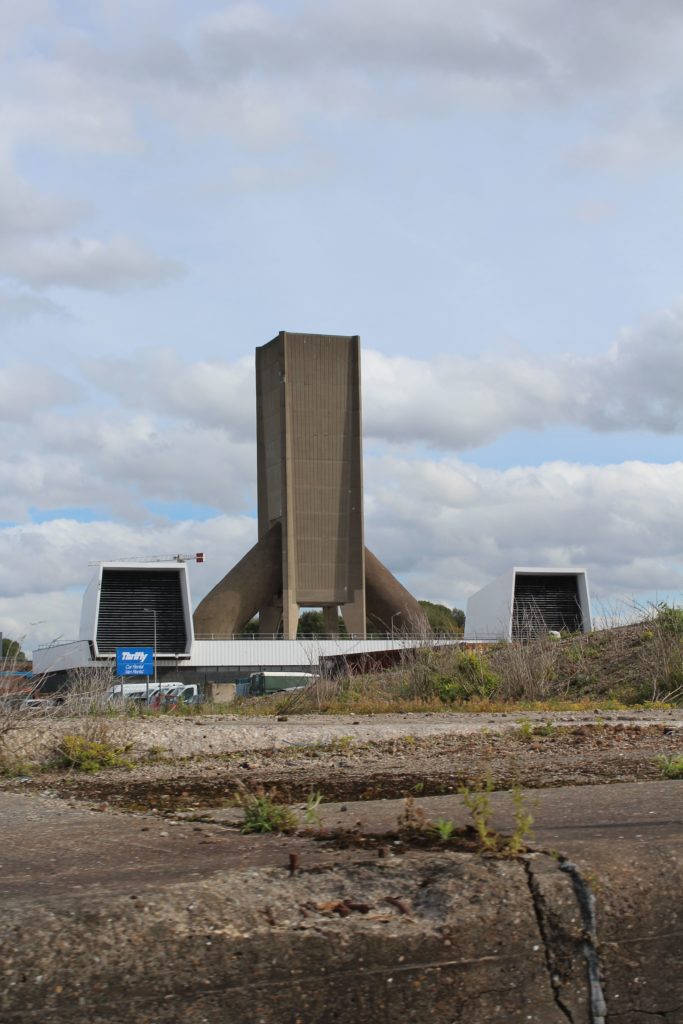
(199, 557)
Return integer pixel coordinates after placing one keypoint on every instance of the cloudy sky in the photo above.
(490, 193)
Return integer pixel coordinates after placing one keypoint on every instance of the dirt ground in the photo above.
(546, 752)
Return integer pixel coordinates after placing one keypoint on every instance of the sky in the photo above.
(490, 194)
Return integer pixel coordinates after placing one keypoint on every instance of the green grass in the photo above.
(370, 704)
(312, 813)
(477, 800)
(444, 829)
(671, 765)
(262, 814)
(88, 755)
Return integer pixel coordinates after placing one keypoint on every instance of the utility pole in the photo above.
(153, 611)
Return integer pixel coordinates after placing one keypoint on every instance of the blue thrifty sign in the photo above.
(135, 661)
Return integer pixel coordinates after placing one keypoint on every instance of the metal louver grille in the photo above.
(122, 619)
(545, 602)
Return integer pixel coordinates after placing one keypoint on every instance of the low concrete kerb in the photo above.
(427, 935)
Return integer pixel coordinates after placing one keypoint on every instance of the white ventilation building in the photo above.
(527, 602)
(134, 604)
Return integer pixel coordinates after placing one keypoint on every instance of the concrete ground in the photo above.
(119, 917)
(207, 735)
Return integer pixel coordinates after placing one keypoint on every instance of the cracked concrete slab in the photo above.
(113, 917)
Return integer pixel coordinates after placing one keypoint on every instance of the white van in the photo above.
(129, 691)
(140, 690)
(172, 694)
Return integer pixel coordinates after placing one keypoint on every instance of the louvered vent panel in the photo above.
(122, 620)
(545, 602)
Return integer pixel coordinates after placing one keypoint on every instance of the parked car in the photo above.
(35, 704)
(171, 695)
(129, 691)
(140, 692)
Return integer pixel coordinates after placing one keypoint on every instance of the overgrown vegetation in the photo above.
(413, 823)
(12, 652)
(263, 814)
(312, 814)
(17, 690)
(86, 691)
(478, 803)
(671, 766)
(90, 753)
(625, 666)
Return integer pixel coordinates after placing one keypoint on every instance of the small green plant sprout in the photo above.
(478, 802)
(312, 813)
(547, 729)
(671, 766)
(340, 743)
(526, 730)
(263, 814)
(670, 618)
(156, 753)
(86, 755)
(516, 843)
(444, 829)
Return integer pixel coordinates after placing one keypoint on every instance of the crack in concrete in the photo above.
(586, 903)
(538, 903)
(663, 1014)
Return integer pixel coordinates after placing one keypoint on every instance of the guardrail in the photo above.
(411, 638)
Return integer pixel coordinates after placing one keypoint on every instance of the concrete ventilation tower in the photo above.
(310, 551)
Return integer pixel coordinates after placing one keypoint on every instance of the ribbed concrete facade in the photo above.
(310, 474)
(311, 550)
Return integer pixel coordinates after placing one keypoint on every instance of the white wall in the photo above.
(489, 611)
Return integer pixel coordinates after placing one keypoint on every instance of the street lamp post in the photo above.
(152, 611)
(394, 616)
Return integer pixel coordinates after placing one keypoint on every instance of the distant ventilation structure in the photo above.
(135, 603)
(528, 602)
(310, 552)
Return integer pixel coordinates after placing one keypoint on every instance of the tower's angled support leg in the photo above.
(269, 619)
(354, 615)
(391, 608)
(248, 587)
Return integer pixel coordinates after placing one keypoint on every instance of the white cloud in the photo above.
(39, 249)
(449, 527)
(20, 304)
(53, 556)
(260, 72)
(25, 211)
(162, 430)
(110, 460)
(28, 391)
(35, 618)
(454, 402)
(449, 402)
(87, 263)
(212, 392)
(18, 20)
(49, 100)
